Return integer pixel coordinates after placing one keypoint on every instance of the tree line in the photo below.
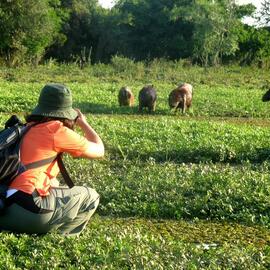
(206, 32)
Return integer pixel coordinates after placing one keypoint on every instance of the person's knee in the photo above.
(96, 203)
(90, 199)
(95, 195)
(94, 198)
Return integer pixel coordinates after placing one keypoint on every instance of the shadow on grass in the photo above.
(98, 108)
(195, 156)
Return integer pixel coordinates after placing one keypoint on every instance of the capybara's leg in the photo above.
(154, 106)
(184, 108)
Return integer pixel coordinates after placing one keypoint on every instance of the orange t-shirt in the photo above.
(43, 141)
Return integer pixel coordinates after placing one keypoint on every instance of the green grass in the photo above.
(204, 170)
(142, 244)
(177, 192)
(101, 98)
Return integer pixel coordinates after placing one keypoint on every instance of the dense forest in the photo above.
(204, 32)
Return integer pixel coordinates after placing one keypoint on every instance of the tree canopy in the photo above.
(27, 28)
(207, 32)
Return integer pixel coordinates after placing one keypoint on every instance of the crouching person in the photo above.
(33, 203)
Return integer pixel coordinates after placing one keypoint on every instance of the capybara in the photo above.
(181, 97)
(125, 97)
(148, 98)
(266, 96)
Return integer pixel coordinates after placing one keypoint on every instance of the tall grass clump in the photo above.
(122, 69)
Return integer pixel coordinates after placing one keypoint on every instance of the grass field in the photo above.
(177, 191)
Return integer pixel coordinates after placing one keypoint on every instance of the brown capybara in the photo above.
(266, 96)
(125, 97)
(181, 97)
(148, 98)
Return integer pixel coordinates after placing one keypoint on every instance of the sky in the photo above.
(109, 3)
(242, 2)
(257, 3)
(106, 3)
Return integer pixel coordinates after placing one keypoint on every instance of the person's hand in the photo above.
(81, 119)
(95, 145)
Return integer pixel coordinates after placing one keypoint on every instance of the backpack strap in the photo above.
(39, 163)
(60, 163)
(63, 171)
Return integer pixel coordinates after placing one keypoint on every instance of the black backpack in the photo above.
(10, 162)
(10, 139)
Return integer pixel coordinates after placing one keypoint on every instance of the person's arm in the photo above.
(96, 147)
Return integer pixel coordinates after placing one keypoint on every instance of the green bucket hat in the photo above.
(55, 100)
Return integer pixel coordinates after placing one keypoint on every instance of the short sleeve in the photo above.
(67, 140)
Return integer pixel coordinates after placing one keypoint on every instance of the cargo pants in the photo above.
(65, 211)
